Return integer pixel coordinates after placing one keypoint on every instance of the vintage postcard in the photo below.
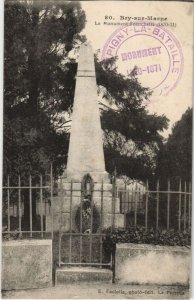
(97, 149)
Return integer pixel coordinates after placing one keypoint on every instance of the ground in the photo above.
(101, 291)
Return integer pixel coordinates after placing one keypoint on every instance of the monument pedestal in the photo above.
(68, 201)
(77, 176)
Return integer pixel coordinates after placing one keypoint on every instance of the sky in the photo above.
(159, 60)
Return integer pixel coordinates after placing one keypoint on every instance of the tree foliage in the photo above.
(132, 134)
(39, 82)
(175, 157)
(39, 90)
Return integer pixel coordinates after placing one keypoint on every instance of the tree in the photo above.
(39, 82)
(132, 136)
(39, 87)
(175, 157)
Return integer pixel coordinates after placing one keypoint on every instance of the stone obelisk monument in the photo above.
(85, 153)
(85, 156)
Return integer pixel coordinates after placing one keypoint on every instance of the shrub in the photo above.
(142, 236)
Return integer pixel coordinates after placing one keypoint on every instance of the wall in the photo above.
(150, 264)
(26, 264)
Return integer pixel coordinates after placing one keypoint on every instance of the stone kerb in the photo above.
(26, 264)
(76, 275)
(151, 264)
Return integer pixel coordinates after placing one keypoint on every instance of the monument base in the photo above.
(68, 202)
(78, 176)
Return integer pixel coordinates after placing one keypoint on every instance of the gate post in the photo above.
(51, 191)
(113, 198)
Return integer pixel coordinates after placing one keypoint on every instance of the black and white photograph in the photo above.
(97, 149)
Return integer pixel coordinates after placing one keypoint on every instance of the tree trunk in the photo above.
(33, 65)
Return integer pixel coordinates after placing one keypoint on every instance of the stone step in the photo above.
(67, 274)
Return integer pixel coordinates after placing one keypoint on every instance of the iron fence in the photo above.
(26, 203)
(157, 208)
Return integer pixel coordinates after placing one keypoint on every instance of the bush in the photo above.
(141, 236)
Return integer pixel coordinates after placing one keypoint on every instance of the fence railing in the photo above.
(158, 208)
(82, 241)
(26, 203)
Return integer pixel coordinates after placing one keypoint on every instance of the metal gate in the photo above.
(84, 244)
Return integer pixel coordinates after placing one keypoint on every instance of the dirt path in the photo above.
(101, 291)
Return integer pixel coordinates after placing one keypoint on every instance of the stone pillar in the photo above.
(85, 154)
(86, 145)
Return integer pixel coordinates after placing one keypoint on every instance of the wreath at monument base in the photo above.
(86, 211)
